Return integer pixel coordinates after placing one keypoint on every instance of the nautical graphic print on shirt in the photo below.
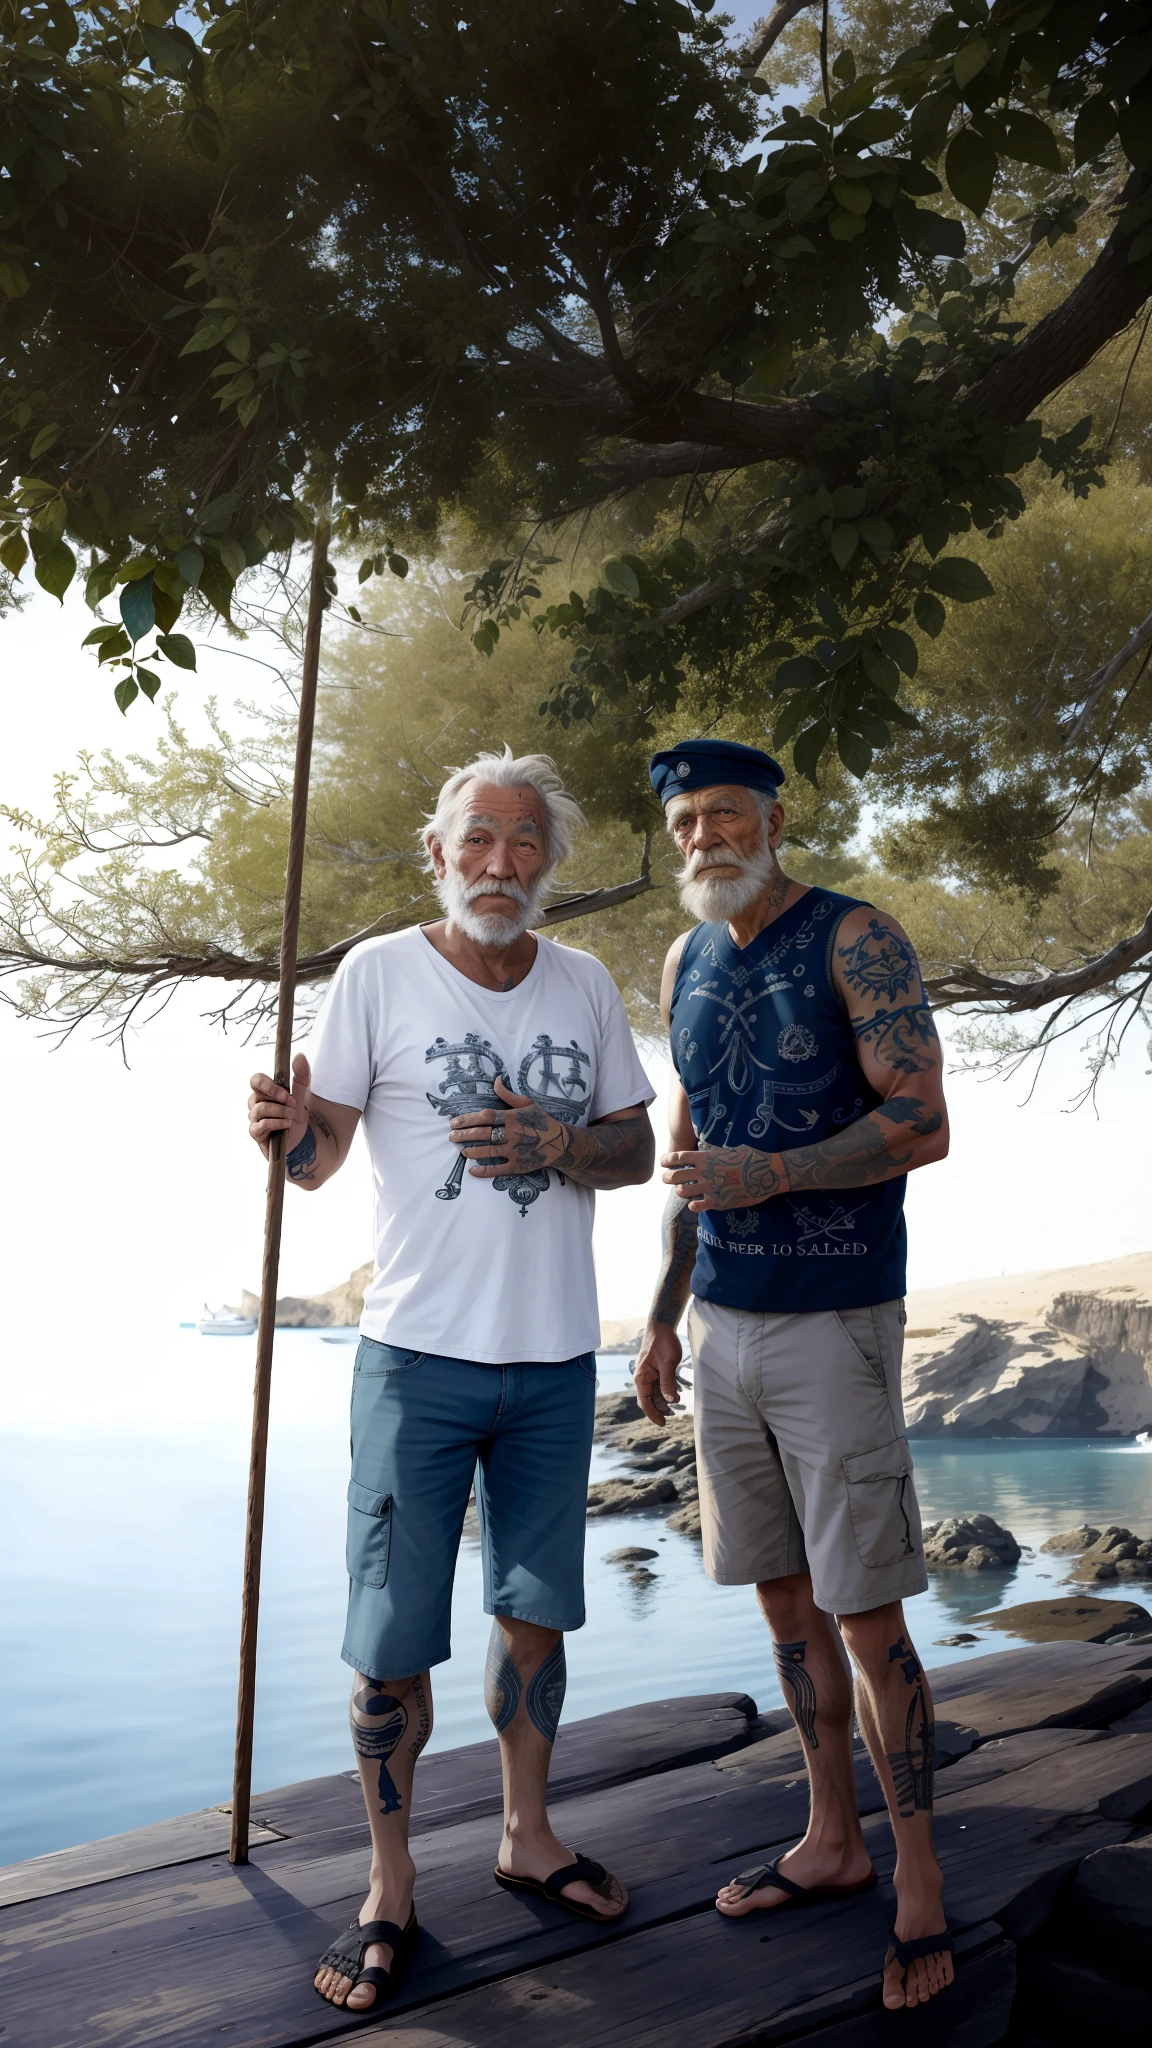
(767, 1057)
(554, 1076)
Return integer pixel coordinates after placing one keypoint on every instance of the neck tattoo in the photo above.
(778, 892)
(510, 983)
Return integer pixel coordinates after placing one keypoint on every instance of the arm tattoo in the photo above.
(546, 1689)
(912, 1766)
(853, 1157)
(378, 1733)
(796, 1680)
(881, 964)
(678, 1233)
(604, 1156)
(301, 1161)
(903, 1039)
(502, 1684)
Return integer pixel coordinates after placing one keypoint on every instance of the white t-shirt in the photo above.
(499, 1271)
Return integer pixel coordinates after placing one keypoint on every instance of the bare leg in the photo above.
(524, 1692)
(894, 1708)
(817, 1686)
(391, 1721)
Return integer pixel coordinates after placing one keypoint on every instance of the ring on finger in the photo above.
(497, 1134)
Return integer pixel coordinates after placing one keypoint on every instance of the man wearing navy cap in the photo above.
(808, 1086)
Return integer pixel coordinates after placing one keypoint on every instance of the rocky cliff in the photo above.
(338, 1308)
(1060, 1353)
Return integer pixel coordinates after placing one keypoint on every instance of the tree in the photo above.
(389, 246)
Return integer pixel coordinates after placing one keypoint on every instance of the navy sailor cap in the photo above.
(701, 764)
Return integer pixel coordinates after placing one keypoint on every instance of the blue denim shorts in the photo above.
(422, 1428)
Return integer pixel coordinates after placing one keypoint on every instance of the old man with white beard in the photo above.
(500, 1088)
(808, 1085)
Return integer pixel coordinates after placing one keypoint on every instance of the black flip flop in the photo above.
(798, 1894)
(584, 1869)
(907, 1952)
(347, 1952)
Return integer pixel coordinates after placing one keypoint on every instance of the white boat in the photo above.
(225, 1322)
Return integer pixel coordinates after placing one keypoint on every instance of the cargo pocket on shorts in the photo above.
(369, 1534)
(880, 1503)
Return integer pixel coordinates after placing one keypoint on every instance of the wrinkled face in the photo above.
(490, 872)
(728, 848)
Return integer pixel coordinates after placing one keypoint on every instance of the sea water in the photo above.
(121, 1624)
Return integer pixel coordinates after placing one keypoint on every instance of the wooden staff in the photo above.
(274, 1206)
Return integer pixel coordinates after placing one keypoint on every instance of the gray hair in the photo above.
(562, 814)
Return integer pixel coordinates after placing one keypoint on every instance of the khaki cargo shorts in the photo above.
(801, 1453)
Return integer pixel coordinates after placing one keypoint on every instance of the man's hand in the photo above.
(724, 1176)
(272, 1108)
(522, 1138)
(655, 1374)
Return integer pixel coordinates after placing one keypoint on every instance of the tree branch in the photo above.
(769, 31)
(1101, 682)
(1009, 996)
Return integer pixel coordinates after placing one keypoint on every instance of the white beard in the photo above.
(457, 897)
(714, 899)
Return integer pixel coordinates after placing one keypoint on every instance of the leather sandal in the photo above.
(797, 1894)
(347, 1953)
(583, 1870)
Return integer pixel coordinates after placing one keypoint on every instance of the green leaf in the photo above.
(956, 577)
(216, 586)
(844, 226)
(970, 168)
(931, 120)
(848, 501)
(806, 191)
(878, 534)
(795, 711)
(930, 613)
(55, 568)
(233, 557)
(208, 335)
(190, 563)
(1096, 124)
(771, 368)
(217, 514)
(854, 751)
(170, 51)
(880, 669)
(901, 646)
(852, 194)
(354, 614)
(110, 650)
(367, 568)
(969, 60)
(844, 542)
(44, 440)
(809, 747)
(844, 68)
(98, 635)
(1030, 141)
(620, 578)
(398, 565)
(794, 245)
(126, 692)
(149, 682)
(178, 648)
(137, 609)
(238, 343)
(798, 673)
(14, 552)
(935, 532)
(13, 280)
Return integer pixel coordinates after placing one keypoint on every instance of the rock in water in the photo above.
(628, 1497)
(1115, 1553)
(973, 1543)
(632, 1553)
(1072, 1540)
(954, 1642)
(686, 1520)
(1078, 1620)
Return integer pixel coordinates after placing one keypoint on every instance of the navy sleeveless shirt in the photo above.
(767, 1057)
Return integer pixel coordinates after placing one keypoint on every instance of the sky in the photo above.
(135, 1195)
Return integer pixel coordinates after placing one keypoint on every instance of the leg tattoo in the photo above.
(502, 1687)
(423, 1717)
(389, 1719)
(546, 1689)
(791, 1673)
(912, 1766)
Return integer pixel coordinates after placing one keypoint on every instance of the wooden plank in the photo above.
(150, 1848)
(716, 1990)
(213, 1948)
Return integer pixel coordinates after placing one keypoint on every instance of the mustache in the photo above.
(512, 890)
(699, 863)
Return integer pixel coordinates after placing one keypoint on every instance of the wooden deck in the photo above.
(151, 1938)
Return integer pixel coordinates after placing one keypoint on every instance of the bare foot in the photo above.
(538, 1858)
(919, 1913)
(808, 1864)
(387, 1900)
